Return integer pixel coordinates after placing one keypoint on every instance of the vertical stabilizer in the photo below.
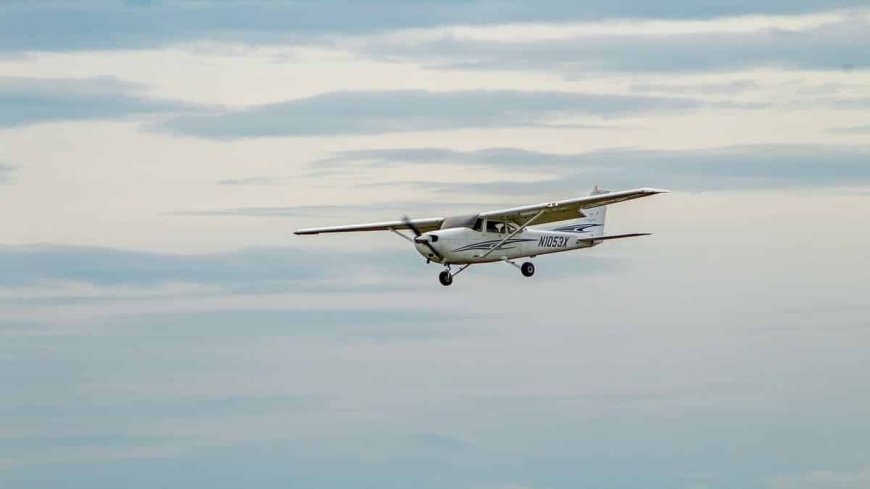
(592, 223)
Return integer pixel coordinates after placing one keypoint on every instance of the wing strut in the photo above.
(509, 236)
(403, 235)
(516, 231)
(460, 270)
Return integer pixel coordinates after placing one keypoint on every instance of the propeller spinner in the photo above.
(419, 238)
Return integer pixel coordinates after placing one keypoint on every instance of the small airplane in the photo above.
(505, 235)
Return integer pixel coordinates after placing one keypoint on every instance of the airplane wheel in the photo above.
(445, 278)
(528, 269)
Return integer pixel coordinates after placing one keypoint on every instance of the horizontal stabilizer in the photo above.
(617, 236)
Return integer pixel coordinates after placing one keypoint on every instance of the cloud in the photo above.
(715, 168)
(280, 211)
(385, 209)
(46, 265)
(492, 157)
(7, 172)
(822, 479)
(27, 101)
(89, 25)
(373, 112)
(344, 324)
(729, 88)
(38, 281)
(437, 442)
(508, 485)
(860, 129)
(713, 46)
(252, 181)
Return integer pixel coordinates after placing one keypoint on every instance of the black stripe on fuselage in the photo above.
(489, 244)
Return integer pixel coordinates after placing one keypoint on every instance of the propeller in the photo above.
(413, 227)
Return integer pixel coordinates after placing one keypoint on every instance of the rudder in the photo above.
(593, 223)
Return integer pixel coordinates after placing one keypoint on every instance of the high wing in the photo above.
(563, 210)
(552, 211)
(424, 225)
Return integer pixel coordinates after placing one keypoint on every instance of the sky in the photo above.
(162, 327)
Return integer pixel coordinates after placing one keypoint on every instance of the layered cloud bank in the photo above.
(157, 313)
(380, 112)
(812, 42)
(38, 100)
(88, 25)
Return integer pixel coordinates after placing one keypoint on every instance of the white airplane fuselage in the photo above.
(462, 246)
(505, 235)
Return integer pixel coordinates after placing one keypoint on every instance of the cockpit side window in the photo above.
(478, 225)
(494, 227)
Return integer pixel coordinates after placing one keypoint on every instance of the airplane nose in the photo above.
(424, 246)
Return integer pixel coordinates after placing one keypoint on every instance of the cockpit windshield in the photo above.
(466, 221)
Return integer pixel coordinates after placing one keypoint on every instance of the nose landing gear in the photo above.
(445, 278)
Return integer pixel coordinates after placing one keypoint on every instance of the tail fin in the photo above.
(593, 223)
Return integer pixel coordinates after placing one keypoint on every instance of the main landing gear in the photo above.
(528, 269)
(446, 276)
